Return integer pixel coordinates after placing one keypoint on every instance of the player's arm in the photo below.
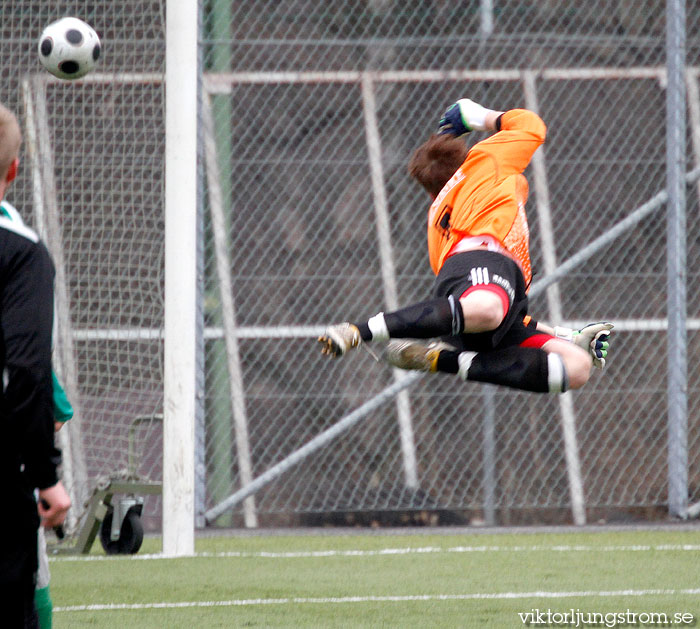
(539, 326)
(519, 132)
(62, 408)
(466, 116)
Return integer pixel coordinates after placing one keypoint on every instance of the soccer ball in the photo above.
(69, 48)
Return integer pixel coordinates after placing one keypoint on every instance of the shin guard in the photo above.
(524, 368)
(427, 319)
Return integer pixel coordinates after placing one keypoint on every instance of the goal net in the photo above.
(91, 183)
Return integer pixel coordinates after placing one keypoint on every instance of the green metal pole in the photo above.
(219, 414)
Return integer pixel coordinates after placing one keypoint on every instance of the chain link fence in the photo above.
(310, 112)
(324, 225)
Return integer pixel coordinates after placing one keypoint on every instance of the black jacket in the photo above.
(26, 320)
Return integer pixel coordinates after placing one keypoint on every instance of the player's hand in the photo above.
(338, 339)
(595, 338)
(462, 117)
(53, 505)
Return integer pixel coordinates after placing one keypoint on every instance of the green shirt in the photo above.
(62, 409)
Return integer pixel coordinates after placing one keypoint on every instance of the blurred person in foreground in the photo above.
(28, 456)
(62, 412)
(478, 244)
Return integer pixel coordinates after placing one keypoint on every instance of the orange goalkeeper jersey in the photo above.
(487, 195)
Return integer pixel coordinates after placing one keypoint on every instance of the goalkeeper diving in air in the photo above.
(478, 243)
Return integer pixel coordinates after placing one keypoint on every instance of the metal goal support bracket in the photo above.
(101, 503)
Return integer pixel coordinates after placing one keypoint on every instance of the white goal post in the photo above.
(181, 281)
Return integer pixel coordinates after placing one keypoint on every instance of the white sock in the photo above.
(465, 361)
(377, 326)
(557, 378)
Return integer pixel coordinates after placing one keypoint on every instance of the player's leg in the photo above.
(577, 361)
(473, 305)
(478, 308)
(525, 359)
(523, 368)
(483, 308)
(541, 364)
(17, 583)
(479, 311)
(44, 607)
(498, 348)
(42, 594)
(480, 300)
(18, 555)
(441, 316)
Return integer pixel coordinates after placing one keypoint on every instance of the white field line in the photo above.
(425, 550)
(377, 599)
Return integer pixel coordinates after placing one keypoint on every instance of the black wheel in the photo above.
(130, 534)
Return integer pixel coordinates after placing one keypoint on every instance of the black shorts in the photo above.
(490, 269)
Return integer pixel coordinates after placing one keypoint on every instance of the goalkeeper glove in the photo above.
(594, 338)
(462, 117)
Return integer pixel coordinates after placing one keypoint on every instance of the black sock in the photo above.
(524, 368)
(448, 362)
(364, 331)
(424, 320)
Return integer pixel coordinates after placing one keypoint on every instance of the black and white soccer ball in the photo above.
(69, 48)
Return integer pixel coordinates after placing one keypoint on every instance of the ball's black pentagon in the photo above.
(96, 52)
(46, 46)
(74, 36)
(69, 67)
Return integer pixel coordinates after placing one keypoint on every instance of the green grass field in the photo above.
(417, 580)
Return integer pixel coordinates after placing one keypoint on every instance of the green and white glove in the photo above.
(462, 117)
(594, 338)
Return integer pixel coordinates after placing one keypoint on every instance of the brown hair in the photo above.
(10, 139)
(435, 161)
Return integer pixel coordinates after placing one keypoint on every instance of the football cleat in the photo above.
(414, 355)
(338, 339)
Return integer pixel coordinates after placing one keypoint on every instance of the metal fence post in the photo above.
(676, 258)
